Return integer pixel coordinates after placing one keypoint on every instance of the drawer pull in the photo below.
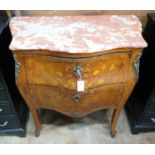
(77, 98)
(153, 119)
(78, 71)
(1, 110)
(4, 124)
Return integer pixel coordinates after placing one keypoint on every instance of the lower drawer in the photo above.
(8, 122)
(5, 110)
(77, 104)
(148, 119)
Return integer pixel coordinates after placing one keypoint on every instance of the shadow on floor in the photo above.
(52, 117)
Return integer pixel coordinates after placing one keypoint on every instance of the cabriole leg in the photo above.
(36, 118)
(114, 121)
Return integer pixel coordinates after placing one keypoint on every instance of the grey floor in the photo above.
(94, 128)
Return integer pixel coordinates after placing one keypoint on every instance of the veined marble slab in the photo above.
(76, 34)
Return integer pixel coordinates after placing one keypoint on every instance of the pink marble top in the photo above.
(76, 34)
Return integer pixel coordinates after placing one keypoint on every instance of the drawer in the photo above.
(73, 103)
(3, 95)
(8, 122)
(64, 72)
(5, 109)
(148, 119)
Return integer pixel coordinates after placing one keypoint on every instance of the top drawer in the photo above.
(64, 72)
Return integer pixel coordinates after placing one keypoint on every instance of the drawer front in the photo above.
(73, 103)
(6, 109)
(3, 95)
(8, 122)
(148, 119)
(63, 72)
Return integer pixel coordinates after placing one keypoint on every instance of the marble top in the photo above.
(76, 34)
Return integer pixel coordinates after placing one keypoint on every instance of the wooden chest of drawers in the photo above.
(50, 78)
(49, 81)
